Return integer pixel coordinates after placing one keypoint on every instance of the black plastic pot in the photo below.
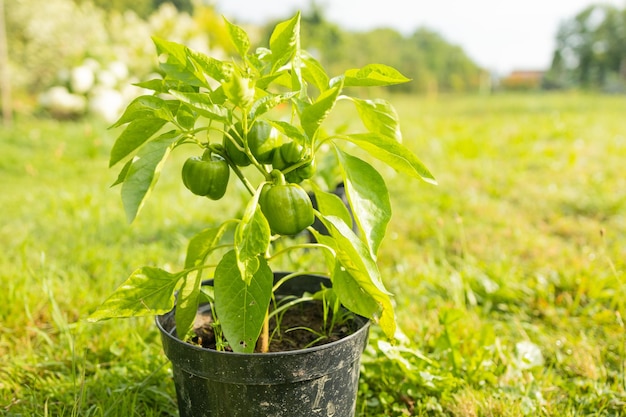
(317, 381)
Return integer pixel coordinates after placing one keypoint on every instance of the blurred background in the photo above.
(69, 58)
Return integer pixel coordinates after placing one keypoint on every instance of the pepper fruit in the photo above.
(207, 176)
(292, 152)
(236, 155)
(287, 207)
(185, 117)
(263, 141)
(301, 173)
(288, 154)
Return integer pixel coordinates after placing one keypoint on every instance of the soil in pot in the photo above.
(301, 326)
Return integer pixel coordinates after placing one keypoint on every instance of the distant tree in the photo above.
(181, 5)
(437, 64)
(142, 8)
(591, 48)
(318, 34)
(46, 37)
(5, 80)
(425, 57)
(212, 24)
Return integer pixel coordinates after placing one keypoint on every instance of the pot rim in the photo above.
(362, 323)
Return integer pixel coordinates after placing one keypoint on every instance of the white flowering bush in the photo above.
(78, 60)
(93, 88)
(62, 103)
(46, 36)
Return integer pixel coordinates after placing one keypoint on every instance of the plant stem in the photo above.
(242, 177)
(301, 246)
(264, 340)
(220, 151)
(297, 165)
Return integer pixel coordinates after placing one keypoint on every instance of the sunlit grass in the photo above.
(509, 275)
(523, 240)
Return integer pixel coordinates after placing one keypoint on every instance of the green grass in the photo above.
(509, 275)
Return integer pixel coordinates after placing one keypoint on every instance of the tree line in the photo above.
(424, 56)
(433, 63)
(591, 50)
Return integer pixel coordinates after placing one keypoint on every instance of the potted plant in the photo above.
(260, 117)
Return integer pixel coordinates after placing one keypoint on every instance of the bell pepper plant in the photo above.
(261, 115)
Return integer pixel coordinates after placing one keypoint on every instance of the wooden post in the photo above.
(5, 79)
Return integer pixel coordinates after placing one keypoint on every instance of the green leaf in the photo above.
(156, 84)
(373, 75)
(393, 153)
(289, 130)
(186, 117)
(145, 107)
(330, 204)
(329, 254)
(314, 73)
(379, 116)
(280, 78)
(368, 197)
(212, 67)
(260, 59)
(178, 65)
(313, 115)
(160, 85)
(239, 37)
(263, 82)
(148, 291)
(353, 254)
(252, 238)
(351, 294)
(297, 82)
(203, 104)
(355, 258)
(175, 52)
(135, 135)
(144, 172)
(202, 243)
(187, 302)
(241, 308)
(268, 102)
(123, 172)
(285, 41)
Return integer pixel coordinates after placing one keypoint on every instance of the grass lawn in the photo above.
(510, 275)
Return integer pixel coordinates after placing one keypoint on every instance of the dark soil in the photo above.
(294, 330)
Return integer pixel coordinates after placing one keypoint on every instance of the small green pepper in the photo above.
(236, 155)
(292, 152)
(186, 117)
(288, 154)
(301, 173)
(206, 176)
(263, 140)
(287, 208)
